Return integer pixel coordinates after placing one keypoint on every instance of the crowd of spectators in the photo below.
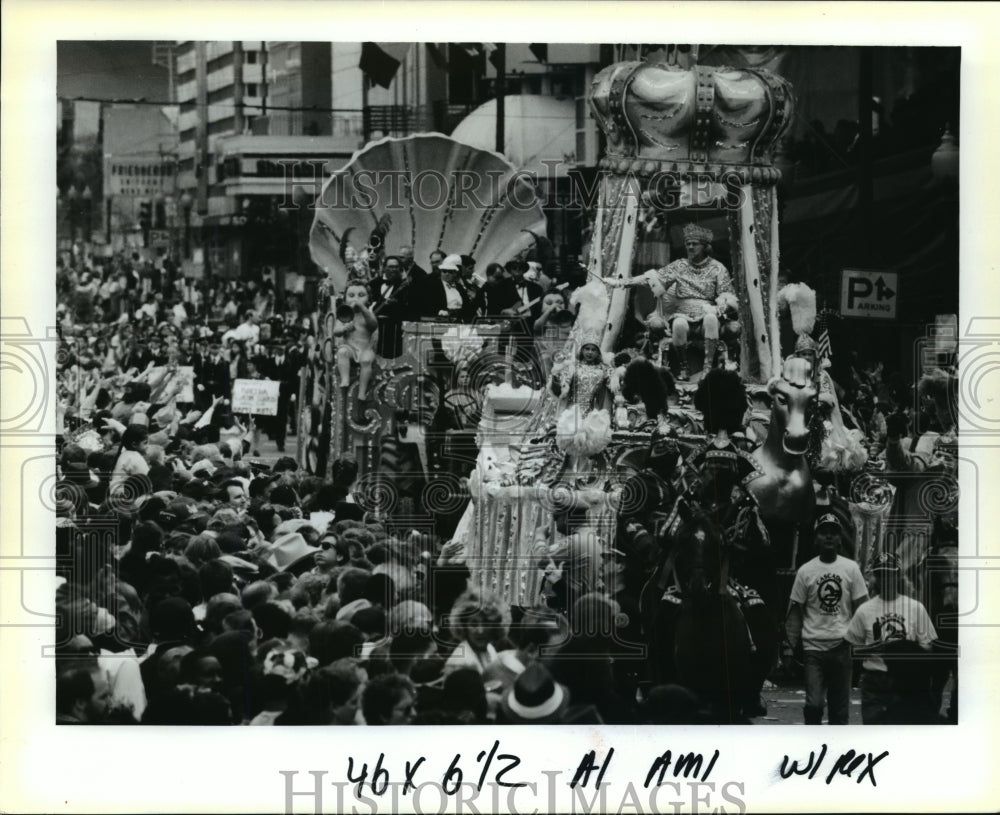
(225, 595)
(198, 586)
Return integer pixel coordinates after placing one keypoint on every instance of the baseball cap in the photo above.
(886, 562)
(176, 511)
(828, 518)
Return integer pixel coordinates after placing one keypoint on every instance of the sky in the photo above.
(102, 69)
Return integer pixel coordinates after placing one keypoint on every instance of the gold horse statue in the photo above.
(784, 492)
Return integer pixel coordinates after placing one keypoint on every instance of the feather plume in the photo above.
(593, 300)
(581, 435)
(727, 302)
(801, 302)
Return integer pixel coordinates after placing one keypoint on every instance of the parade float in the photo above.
(425, 192)
(692, 147)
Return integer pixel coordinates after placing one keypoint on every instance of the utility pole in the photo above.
(864, 167)
(239, 119)
(365, 112)
(264, 81)
(500, 60)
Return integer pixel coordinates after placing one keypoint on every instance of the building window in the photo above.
(251, 89)
(251, 57)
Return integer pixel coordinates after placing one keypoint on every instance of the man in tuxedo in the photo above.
(213, 376)
(513, 298)
(412, 273)
(198, 359)
(442, 296)
(198, 356)
(472, 285)
(513, 294)
(467, 270)
(283, 366)
(435, 258)
(390, 301)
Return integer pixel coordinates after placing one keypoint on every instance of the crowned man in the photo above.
(694, 294)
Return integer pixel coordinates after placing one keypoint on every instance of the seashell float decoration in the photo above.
(426, 191)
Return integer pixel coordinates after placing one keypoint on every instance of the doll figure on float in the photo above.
(583, 428)
(356, 328)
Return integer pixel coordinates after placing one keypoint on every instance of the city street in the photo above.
(784, 705)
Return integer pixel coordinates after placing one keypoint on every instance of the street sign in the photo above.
(159, 238)
(869, 294)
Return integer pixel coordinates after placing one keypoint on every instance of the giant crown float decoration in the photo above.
(702, 121)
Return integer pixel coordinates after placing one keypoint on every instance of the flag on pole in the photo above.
(823, 340)
(381, 60)
(490, 49)
(540, 50)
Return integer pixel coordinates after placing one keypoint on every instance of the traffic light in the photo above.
(145, 217)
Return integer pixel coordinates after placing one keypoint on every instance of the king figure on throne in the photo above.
(695, 298)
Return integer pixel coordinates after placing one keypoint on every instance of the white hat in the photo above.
(291, 550)
(452, 263)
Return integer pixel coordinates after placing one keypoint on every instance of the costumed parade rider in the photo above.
(695, 297)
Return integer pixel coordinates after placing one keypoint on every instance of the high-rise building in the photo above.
(253, 117)
(299, 82)
(221, 89)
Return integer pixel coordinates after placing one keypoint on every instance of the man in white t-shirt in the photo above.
(889, 626)
(825, 595)
(248, 331)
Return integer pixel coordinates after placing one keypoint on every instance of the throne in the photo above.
(662, 350)
(703, 138)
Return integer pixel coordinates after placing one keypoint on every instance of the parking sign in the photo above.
(868, 294)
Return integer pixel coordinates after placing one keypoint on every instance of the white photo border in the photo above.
(48, 769)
